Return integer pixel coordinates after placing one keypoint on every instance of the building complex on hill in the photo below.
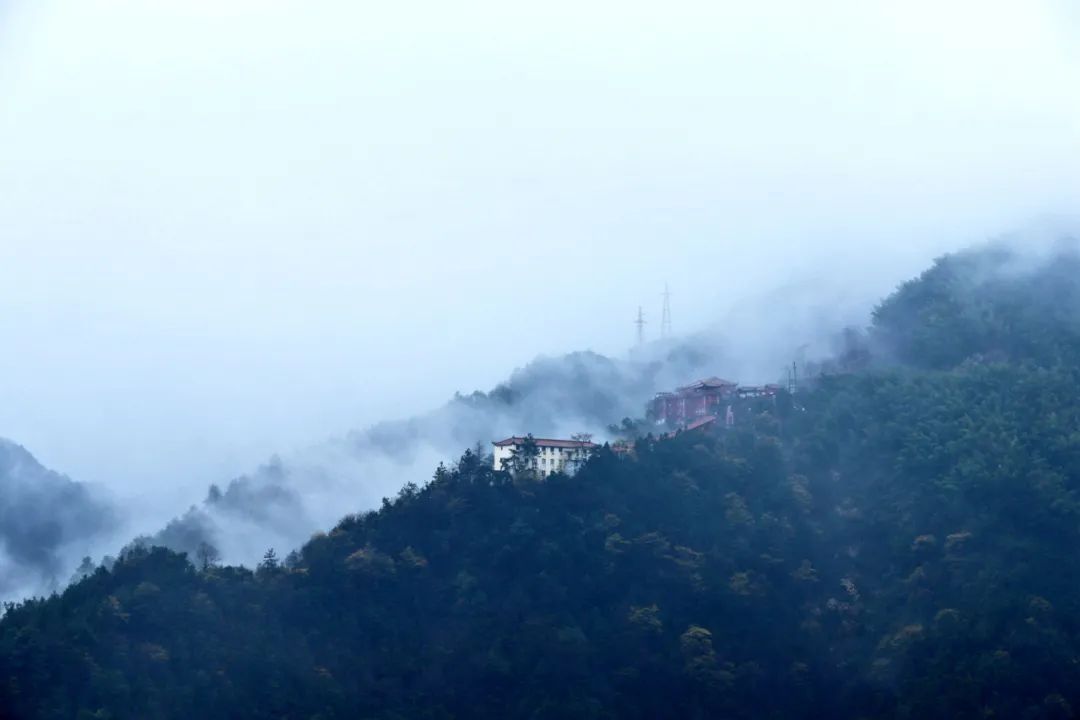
(542, 455)
(698, 406)
(690, 402)
(708, 398)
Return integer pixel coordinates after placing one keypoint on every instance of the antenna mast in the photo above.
(640, 322)
(665, 319)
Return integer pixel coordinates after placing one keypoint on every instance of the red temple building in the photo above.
(688, 403)
(708, 398)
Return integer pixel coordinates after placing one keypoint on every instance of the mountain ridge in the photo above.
(894, 541)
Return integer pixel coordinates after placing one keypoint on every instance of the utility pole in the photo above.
(640, 322)
(665, 319)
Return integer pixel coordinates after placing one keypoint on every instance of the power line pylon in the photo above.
(640, 322)
(665, 318)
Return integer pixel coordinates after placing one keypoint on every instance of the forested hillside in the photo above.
(42, 515)
(282, 501)
(896, 540)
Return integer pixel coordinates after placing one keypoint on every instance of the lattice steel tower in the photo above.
(665, 318)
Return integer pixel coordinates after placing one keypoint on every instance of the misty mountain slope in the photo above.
(894, 542)
(963, 307)
(993, 303)
(43, 515)
(580, 391)
(282, 502)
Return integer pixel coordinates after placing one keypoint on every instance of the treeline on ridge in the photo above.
(895, 541)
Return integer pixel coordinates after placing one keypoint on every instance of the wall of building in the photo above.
(547, 461)
(502, 453)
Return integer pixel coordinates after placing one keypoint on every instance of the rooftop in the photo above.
(545, 442)
(709, 383)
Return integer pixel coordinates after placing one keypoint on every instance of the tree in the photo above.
(86, 567)
(207, 555)
(269, 562)
(523, 458)
(583, 452)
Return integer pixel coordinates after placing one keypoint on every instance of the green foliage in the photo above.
(892, 543)
(991, 304)
(522, 458)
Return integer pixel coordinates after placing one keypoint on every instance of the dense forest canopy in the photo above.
(896, 540)
(996, 304)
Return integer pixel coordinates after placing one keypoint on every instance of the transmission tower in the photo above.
(640, 322)
(665, 319)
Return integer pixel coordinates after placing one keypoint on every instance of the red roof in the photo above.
(545, 442)
(709, 383)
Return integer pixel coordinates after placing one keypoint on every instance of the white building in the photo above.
(551, 455)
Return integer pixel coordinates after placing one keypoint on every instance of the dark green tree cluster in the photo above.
(995, 304)
(897, 542)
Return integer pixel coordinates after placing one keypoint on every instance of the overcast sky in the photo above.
(231, 227)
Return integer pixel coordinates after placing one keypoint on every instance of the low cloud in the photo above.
(45, 517)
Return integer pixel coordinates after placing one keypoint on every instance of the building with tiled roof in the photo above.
(552, 455)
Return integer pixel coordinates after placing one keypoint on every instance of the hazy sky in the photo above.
(234, 226)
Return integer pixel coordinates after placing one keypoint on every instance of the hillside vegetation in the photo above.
(893, 542)
(42, 514)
